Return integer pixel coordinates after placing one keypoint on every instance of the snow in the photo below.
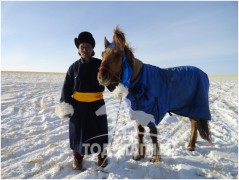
(34, 141)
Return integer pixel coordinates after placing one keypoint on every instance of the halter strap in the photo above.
(112, 73)
(111, 46)
(126, 69)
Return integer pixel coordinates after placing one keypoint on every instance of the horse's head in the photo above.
(111, 65)
(113, 57)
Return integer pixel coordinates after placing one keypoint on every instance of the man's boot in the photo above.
(77, 163)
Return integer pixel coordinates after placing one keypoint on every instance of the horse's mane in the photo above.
(129, 55)
(119, 40)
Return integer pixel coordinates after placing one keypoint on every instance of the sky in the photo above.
(39, 36)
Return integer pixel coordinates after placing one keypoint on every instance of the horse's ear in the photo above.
(106, 43)
(119, 38)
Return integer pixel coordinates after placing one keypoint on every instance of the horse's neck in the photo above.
(137, 65)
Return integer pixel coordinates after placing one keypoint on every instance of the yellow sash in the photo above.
(87, 97)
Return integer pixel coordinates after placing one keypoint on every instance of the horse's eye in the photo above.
(117, 54)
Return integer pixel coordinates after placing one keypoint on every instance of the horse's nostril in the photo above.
(104, 75)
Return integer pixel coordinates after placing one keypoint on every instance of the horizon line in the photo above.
(48, 72)
(12, 71)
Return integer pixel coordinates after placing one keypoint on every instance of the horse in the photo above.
(154, 91)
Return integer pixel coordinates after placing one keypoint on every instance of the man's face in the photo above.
(86, 50)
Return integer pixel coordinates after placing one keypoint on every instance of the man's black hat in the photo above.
(85, 37)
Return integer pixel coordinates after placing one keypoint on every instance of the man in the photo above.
(88, 128)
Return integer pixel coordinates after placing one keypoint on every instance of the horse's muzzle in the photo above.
(103, 79)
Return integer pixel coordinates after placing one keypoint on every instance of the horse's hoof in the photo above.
(137, 157)
(155, 159)
(191, 148)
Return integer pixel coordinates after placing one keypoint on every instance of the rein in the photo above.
(111, 143)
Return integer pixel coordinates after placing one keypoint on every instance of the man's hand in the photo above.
(64, 110)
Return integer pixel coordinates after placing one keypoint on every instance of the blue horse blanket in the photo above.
(181, 90)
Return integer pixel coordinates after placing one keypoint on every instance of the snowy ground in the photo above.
(34, 141)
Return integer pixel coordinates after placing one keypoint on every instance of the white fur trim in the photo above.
(120, 91)
(63, 109)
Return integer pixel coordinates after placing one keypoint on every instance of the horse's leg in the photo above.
(153, 134)
(193, 137)
(140, 153)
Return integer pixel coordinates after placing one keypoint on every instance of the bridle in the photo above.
(125, 73)
(110, 72)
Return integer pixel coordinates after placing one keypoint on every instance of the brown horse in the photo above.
(111, 72)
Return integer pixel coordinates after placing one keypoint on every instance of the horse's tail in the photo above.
(204, 130)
